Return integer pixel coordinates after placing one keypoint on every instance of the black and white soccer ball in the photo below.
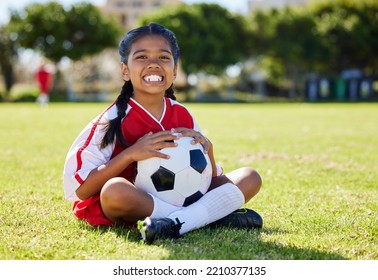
(180, 180)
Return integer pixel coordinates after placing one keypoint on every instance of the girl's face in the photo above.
(150, 66)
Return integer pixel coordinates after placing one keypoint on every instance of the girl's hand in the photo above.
(150, 145)
(198, 138)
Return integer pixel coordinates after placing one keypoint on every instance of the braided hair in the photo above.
(113, 128)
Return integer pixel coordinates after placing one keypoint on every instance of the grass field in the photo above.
(319, 164)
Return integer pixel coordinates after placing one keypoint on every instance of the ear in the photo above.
(125, 72)
(175, 72)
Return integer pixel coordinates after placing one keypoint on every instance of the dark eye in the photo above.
(165, 57)
(141, 57)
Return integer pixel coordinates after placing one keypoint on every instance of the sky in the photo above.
(5, 5)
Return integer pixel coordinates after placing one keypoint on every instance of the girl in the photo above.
(101, 164)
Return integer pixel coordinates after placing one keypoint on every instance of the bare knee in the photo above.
(254, 178)
(114, 191)
(249, 182)
(121, 200)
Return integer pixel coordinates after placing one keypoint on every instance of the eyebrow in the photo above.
(144, 50)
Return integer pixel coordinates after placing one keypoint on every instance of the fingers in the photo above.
(203, 141)
(197, 137)
(164, 137)
(161, 136)
(151, 143)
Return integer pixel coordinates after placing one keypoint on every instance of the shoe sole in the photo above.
(142, 227)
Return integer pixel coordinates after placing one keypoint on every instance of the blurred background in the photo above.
(231, 51)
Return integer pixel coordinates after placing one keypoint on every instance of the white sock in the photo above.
(213, 206)
(161, 208)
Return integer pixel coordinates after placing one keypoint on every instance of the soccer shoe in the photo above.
(241, 219)
(164, 228)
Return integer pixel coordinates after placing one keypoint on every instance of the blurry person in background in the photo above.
(43, 77)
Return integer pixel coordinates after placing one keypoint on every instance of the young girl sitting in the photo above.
(100, 167)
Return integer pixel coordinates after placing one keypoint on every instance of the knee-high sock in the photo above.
(213, 206)
(161, 208)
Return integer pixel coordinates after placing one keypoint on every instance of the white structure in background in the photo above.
(261, 4)
(128, 11)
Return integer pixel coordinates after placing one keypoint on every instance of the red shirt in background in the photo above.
(43, 78)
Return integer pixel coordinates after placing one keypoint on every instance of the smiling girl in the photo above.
(100, 167)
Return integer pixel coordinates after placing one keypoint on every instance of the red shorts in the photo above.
(90, 211)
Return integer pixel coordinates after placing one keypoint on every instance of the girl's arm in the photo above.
(212, 160)
(100, 175)
(146, 147)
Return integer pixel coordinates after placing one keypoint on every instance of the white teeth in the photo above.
(153, 78)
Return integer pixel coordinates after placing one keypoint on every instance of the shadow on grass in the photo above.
(226, 244)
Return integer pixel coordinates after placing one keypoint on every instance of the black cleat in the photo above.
(241, 219)
(164, 228)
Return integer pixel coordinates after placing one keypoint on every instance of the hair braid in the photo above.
(170, 92)
(113, 128)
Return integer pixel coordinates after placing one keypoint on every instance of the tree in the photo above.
(209, 36)
(7, 57)
(287, 36)
(90, 31)
(351, 30)
(56, 33)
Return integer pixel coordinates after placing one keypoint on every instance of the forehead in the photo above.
(151, 42)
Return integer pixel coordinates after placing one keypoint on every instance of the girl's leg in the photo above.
(213, 206)
(246, 179)
(122, 202)
(227, 194)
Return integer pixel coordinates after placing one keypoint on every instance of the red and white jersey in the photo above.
(85, 153)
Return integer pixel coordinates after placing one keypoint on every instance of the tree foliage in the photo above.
(351, 32)
(7, 57)
(56, 32)
(210, 37)
(328, 36)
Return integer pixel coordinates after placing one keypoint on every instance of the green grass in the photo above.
(319, 164)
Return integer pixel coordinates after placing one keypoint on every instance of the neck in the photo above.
(155, 106)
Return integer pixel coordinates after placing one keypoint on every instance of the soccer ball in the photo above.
(180, 180)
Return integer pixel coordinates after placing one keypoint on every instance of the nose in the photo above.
(153, 63)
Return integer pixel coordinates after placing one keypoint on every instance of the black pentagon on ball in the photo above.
(193, 198)
(197, 160)
(163, 179)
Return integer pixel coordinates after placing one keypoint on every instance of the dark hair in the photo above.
(113, 128)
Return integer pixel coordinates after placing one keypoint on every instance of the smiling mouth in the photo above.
(153, 78)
